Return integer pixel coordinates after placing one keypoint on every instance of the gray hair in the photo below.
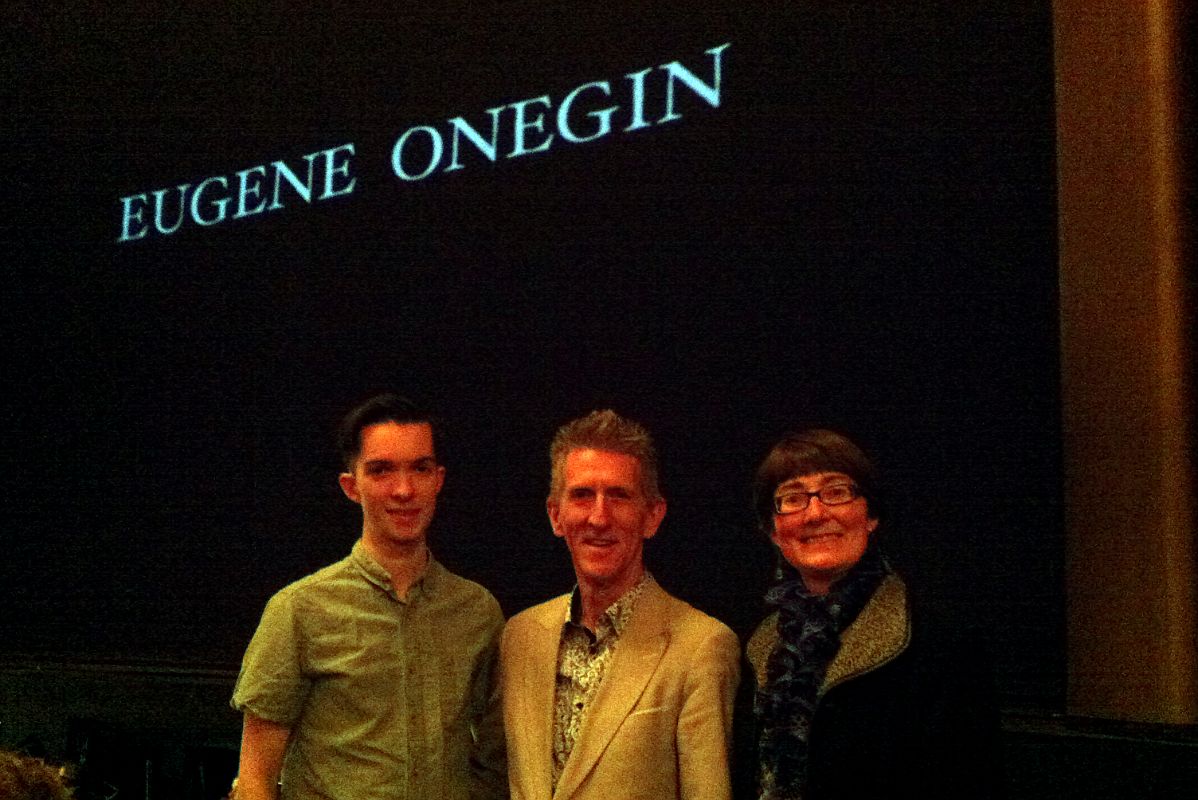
(604, 430)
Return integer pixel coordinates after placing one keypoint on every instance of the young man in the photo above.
(616, 690)
(375, 676)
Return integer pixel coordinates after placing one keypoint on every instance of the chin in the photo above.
(824, 569)
(601, 577)
(406, 537)
(597, 576)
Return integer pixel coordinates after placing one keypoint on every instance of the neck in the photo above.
(598, 596)
(821, 583)
(817, 587)
(405, 562)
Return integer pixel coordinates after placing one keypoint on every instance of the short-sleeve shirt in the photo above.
(386, 698)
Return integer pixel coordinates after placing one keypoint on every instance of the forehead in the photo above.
(813, 481)
(590, 466)
(397, 441)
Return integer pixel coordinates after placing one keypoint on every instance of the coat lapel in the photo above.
(637, 655)
(534, 693)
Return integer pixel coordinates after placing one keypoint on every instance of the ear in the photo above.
(349, 485)
(553, 509)
(657, 512)
(871, 525)
(440, 479)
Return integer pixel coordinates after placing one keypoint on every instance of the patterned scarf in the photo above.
(809, 629)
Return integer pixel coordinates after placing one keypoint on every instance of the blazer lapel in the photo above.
(637, 655)
(534, 694)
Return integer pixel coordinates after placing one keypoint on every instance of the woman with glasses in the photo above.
(859, 690)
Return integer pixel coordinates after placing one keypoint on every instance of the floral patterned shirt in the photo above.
(582, 661)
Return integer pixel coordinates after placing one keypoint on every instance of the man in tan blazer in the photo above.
(616, 690)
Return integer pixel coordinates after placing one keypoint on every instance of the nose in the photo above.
(598, 516)
(816, 510)
(403, 487)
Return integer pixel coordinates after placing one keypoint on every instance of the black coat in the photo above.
(906, 709)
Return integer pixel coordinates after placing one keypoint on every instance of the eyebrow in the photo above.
(422, 461)
(588, 488)
(797, 483)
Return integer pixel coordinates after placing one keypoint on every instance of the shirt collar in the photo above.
(426, 585)
(616, 616)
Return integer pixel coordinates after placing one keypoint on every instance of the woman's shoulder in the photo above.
(761, 643)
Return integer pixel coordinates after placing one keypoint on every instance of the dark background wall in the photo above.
(861, 235)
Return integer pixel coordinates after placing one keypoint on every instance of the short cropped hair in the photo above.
(604, 430)
(806, 453)
(380, 408)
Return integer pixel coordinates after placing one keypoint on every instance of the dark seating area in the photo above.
(143, 731)
(112, 761)
(1054, 756)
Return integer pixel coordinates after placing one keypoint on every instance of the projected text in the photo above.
(592, 110)
(583, 115)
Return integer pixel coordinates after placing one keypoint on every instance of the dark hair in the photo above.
(604, 430)
(380, 408)
(808, 452)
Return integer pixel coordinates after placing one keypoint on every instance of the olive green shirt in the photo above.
(385, 698)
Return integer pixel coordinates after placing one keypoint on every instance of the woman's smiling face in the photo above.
(822, 542)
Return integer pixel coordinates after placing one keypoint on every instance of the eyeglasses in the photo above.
(792, 502)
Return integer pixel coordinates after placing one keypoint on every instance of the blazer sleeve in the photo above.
(704, 733)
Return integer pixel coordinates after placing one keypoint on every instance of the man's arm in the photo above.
(263, 744)
(488, 759)
(705, 722)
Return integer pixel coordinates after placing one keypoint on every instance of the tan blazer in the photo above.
(660, 726)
